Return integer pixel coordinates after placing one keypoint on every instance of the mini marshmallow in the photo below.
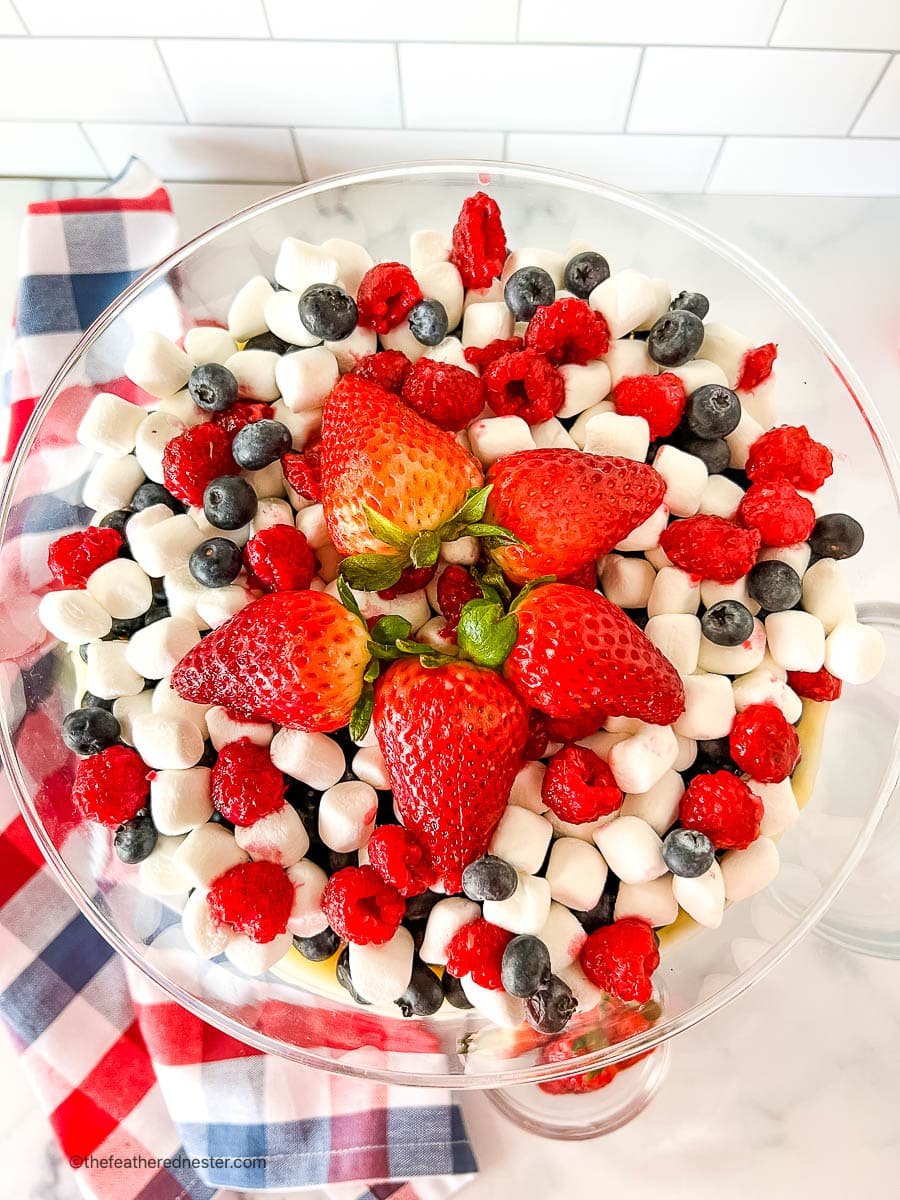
(854, 653)
(734, 660)
(646, 535)
(533, 256)
(182, 406)
(796, 556)
(158, 648)
(726, 347)
(687, 753)
(446, 919)
(309, 880)
(686, 478)
(369, 766)
(109, 674)
(673, 591)
(137, 531)
(246, 316)
(303, 425)
(179, 800)
(626, 358)
(353, 261)
(312, 758)
(632, 849)
(492, 294)
(126, 710)
(526, 788)
(311, 523)
(796, 640)
(73, 616)
(300, 264)
(381, 974)
(658, 806)
(167, 743)
(432, 634)
(497, 1006)
(584, 831)
(279, 837)
(270, 512)
(305, 378)
(611, 433)
(225, 728)
(208, 344)
(708, 707)
(780, 808)
(255, 372)
(521, 838)
(205, 936)
(602, 742)
(702, 897)
(762, 686)
(483, 323)
(493, 438)
(347, 814)
(283, 319)
(697, 373)
(450, 350)
(267, 482)
(677, 636)
(578, 431)
(183, 593)
(157, 365)
(626, 300)
(349, 350)
(159, 873)
(427, 246)
(255, 958)
(153, 434)
(720, 497)
(526, 910)
(402, 338)
(627, 582)
(657, 557)
(640, 761)
(168, 544)
(761, 404)
(585, 386)
(826, 594)
(653, 902)
(587, 994)
(413, 606)
(464, 550)
(712, 592)
(627, 725)
(221, 604)
(563, 935)
(110, 424)
(442, 281)
(206, 853)
(742, 438)
(552, 435)
(663, 295)
(576, 873)
(746, 872)
(112, 482)
(168, 703)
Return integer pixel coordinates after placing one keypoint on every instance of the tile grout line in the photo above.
(265, 12)
(872, 90)
(96, 153)
(712, 169)
(518, 20)
(401, 98)
(168, 75)
(634, 88)
(781, 9)
(298, 154)
(24, 23)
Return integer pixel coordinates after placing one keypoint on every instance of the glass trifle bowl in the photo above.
(851, 759)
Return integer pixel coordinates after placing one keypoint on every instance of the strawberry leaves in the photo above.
(486, 634)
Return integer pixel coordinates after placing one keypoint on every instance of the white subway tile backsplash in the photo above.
(51, 148)
(213, 152)
(286, 83)
(132, 18)
(9, 22)
(839, 24)
(643, 163)
(881, 116)
(808, 167)
(654, 22)
(751, 91)
(531, 87)
(326, 151)
(397, 20)
(91, 80)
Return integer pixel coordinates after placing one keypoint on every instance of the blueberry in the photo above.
(150, 493)
(713, 452)
(209, 755)
(117, 520)
(156, 612)
(692, 302)
(526, 966)
(584, 272)
(338, 859)
(453, 991)
(217, 818)
(418, 908)
(836, 536)
(123, 627)
(213, 387)
(428, 322)
(328, 312)
(344, 978)
(89, 700)
(551, 1008)
(135, 839)
(527, 290)
(603, 911)
(712, 411)
(489, 878)
(229, 502)
(774, 585)
(82, 651)
(260, 443)
(267, 341)
(216, 562)
(675, 338)
(319, 947)
(714, 751)
(424, 996)
(90, 730)
(38, 681)
(727, 623)
(688, 853)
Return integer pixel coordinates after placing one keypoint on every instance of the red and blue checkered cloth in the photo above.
(121, 1071)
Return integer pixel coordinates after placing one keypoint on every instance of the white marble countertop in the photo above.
(793, 1090)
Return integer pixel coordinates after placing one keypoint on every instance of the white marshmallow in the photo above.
(179, 800)
(640, 761)
(300, 264)
(255, 372)
(427, 246)
(654, 902)
(687, 753)
(157, 365)
(769, 664)
(742, 438)
(626, 300)
(552, 435)
(746, 872)
(663, 295)
(208, 344)
(112, 482)
(159, 873)
(349, 350)
(712, 592)
(796, 640)
(137, 530)
(563, 935)
(309, 880)
(686, 478)
(183, 593)
(168, 703)
(708, 707)
(677, 636)
(381, 974)
(521, 838)
(583, 832)
(632, 849)
(279, 837)
(255, 958)
(585, 992)
(167, 544)
(444, 921)
(761, 404)
(152, 436)
(221, 604)
(646, 535)
(491, 294)
(313, 758)
(353, 261)
(73, 616)
(182, 406)
(578, 431)
(526, 788)
(762, 686)
(657, 557)
(796, 556)
(702, 897)
(826, 594)
(854, 653)
(697, 373)
(126, 710)
(611, 433)
(585, 386)
(658, 806)
(109, 674)
(303, 425)
(780, 808)
(626, 358)
(306, 377)
(271, 511)
(369, 766)
(626, 725)
(673, 591)
(526, 910)
(402, 338)
(725, 347)
(602, 742)
(493, 438)
(431, 634)
(201, 931)
(157, 649)
(483, 323)
(442, 281)
(734, 660)
(720, 497)
(450, 350)
(167, 743)
(283, 319)
(206, 853)
(627, 581)
(347, 814)
(464, 550)
(246, 316)
(576, 873)
(311, 523)
(508, 1012)
(225, 728)
(110, 424)
(533, 256)
(267, 482)
(413, 606)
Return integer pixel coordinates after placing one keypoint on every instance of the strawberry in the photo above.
(568, 508)
(575, 652)
(292, 657)
(452, 737)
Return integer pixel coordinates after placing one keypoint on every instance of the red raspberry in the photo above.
(387, 292)
(444, 393)
(789, 453)
(281, 559)
(818, 685)
(245, 784)
(526, 385)
(477, 950)
(574, 1044)
(538, 736)
(194, 459)
(572, 729)
(778, 512)
(620, 958)
(483, 356)
(579, 786)
(361, 907)
(112, 786)
(245, 412)
(387, 368)
(659, 399)
(302, 474)
(455, 588)
(75, 556)
(764, 743)
(711, 547)
(757, 366)
(585, 577)
(255, 898)
(412, 579)
(568, 331)
(401, 859)
(623, 1023)
(479, 243)
(722, 807)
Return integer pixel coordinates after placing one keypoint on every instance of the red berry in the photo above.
(757, 366)
(572, 729)
(194, 459)
(387, 292)
(538, 736)
(620, 958)
(245, 784)
(584, 577)
(711, 547)
(361, 907)
(400, 858)
(778, 511)
(659, 399)
(568, 331)
(411, 580)
(387, 368)
(112, 786)
(789, 453)
(477, 950)
(245, 412)
(818, 685)
(75, 556)
(764, 743)
(281, 559)
(483, 356)
(302, 475)
(574, 1043)
(525, 384)
(444, 393)
(722, 807)
(254, 898)
(579, 786)
(455, 588)
(479, 243)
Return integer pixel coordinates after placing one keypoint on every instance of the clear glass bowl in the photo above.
(701, 970)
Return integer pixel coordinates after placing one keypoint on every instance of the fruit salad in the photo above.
(448, 624)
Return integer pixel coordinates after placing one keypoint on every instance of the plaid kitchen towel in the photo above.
(146, 1100)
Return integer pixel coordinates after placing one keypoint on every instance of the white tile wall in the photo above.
(216, 152)
(134, 18)
(9, 21)
(809, 166)
(848, 24)
(328, 151)
(395, 20)
(881, 117)
(28, 147)
(660, 22)
(641, 163)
